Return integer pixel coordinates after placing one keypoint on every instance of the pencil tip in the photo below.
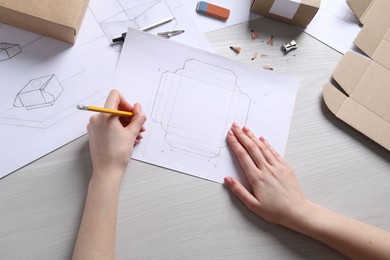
(82, 107)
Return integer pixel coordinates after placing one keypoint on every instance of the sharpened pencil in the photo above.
(104, 110)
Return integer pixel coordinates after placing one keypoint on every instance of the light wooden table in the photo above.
(168, 215)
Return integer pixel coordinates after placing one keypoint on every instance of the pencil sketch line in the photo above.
(73, 76)
(172, 95)
(9, 50)
(35, 40)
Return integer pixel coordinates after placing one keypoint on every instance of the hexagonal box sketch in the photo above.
(9, 50)
(39, 92)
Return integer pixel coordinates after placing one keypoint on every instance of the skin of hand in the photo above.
(278, 198)
(111, 141)
(276, 191)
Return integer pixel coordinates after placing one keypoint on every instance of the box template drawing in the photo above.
(181, 87)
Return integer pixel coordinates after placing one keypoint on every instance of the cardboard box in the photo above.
(298, 12)
(54, 18)
(366, 102)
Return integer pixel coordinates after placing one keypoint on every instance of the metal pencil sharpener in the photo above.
(289, 46)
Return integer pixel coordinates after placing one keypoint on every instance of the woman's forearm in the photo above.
(350, 237)
(96, 238)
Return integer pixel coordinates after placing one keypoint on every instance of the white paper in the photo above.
(335, 25)
(42, 79)
(192, 97)
(115, 16)
(285, 8)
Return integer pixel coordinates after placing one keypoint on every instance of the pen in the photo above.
(104, 110)
(166, 20)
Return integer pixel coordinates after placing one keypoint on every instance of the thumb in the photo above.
(137, 120)
(242, 193)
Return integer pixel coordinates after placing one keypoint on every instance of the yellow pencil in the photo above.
(105, 110)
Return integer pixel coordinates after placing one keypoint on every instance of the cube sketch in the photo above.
(9, 50)
(39, 92)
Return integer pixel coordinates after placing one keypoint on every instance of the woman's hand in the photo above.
(277, 196)
(111, 138)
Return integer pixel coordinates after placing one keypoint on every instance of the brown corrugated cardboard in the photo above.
(374, 38)
(366, 104)
(54, 18)
(359, 7)
(375, 45)
(296, 12)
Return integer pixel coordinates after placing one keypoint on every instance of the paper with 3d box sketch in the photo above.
(192, 97)
(42, 79)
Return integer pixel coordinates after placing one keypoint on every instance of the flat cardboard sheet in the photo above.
(359, 7)
(374, 38)
(366, 102)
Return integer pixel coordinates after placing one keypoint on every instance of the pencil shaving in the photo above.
(268, 68)
(271, 40)
(236, 49)
(254, 35)
(254, 56)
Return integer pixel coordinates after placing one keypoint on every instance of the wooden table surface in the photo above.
(169, 215)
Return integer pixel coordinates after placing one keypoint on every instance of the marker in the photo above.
(104, 110)
(151, 26)
(212, 10)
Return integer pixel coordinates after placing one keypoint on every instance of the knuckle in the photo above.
(252, 147)
(241, 153)
(252, 206)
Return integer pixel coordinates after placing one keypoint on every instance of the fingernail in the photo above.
(230, 132)
(262, 139)
(228, 181)
(235, 125)
(245, 129)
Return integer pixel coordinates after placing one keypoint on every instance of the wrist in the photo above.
(302, 216)
(107, 177)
